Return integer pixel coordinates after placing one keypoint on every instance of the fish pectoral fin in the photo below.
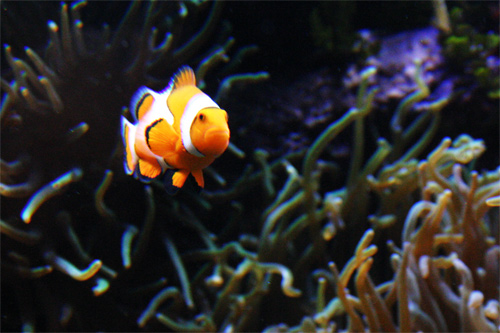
(161, 137)
(198, 176)
(149, 170)
(179, 178)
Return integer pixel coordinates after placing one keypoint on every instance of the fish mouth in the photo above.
(217, 132)
(218, 140)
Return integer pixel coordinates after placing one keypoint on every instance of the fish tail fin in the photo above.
(128, 135)
(141, 102)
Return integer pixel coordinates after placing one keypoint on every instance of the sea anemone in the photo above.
(60, 130)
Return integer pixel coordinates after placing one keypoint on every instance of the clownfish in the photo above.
(180, 128)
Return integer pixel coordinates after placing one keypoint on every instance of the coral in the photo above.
(395, 63)
(294, 114)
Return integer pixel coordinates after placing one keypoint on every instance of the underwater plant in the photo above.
(402, 235)
(474, 53)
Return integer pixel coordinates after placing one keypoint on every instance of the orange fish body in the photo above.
(179, 128)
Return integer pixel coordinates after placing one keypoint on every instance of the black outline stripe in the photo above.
(150, 127)
(139, 104)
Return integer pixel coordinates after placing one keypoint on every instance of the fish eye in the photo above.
(201, 116)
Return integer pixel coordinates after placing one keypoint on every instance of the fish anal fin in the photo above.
(141, 102)
(179, 178)
(167, 182)
(149, 170)
(198, 176)
(184, 77)
(161, 138)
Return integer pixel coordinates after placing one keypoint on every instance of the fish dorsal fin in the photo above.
(184, 77)
(141, 102)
